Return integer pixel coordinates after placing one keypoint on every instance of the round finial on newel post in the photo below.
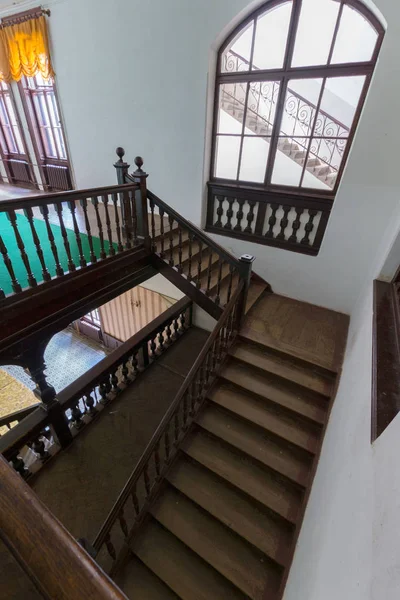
(120, 153)
(139, 163)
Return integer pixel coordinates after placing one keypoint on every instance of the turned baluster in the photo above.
(168, 331)
(209, 271)
(185, 410)
(220, 210)
(135, 500)
(190, 247)
(296, 225)
(153, 227)
(176, 428)
(309, 227)
(110, 547)
(122, 522)
(272, 221)
(218, 293)
(199, 264)
(72, 208)
(19, 466)
(45, 212)
(167, 443)
(162, 240)
(59, 210)
(76, 415)
(180, 247)
(284, 222)
(135, 364)
(230, 283)
(176, 327)
(39, 448)
(111, 249)
(105, 388)
(117, 222)
(90, 404)
(95, 202)
(171, 240)
(8, 264)
(190, 399)
(146, 480)
(161, 341)
(125, 372)
(229, 213)
(183, 321)
(132, 201)
(153, 348)
(157, 461)
(21, 247)
(93, 257)
(239, 215)
(250, 216)
(208, 367)
(114, 382)
(28, 212)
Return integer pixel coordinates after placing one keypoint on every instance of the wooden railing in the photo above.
(12, 419)
(44, 432)
(294, 223)
(55, 562)
(44, 237)
(144, 483)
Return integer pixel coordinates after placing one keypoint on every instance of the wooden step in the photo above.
(178, 567)
(256, 289)
(225, 271)
(250, 477)
(236, 510)
(244, 566)
(304, 376)
(252, 380)
(137, 581)
(253, 441)
(270, 418)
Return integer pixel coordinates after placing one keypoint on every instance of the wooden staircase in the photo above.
(228, 515)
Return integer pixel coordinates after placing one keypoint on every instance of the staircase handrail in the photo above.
(17, 415)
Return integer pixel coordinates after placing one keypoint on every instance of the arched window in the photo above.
(290, 86)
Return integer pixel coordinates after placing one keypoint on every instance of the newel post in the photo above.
(140, 177)
(246, 264)
(122, 169)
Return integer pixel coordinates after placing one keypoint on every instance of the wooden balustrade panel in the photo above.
(290, 222)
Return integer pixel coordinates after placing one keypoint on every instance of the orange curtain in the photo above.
(24, 50)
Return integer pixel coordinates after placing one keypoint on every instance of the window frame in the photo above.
(284, 75)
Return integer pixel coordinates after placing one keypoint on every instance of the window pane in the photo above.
(254, 159)
(287, 171)
(356, 39)
(232, 99)
(227, 156)
(300, 107)
(315, 32)
(338, 105)
(271, 37)
(261, 107)
(237, 56)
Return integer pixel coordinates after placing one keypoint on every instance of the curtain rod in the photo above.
(32, 13)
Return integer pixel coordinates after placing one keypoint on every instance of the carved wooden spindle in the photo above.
(162, 239)
(190, 400)
(93, 257)
(180, 246)
(8, 264)
(19, 466)
(185, 410)
(125, 372)
(284, 222)
(296, 225)
(183, 321)
(117, 222)
(230, 283)
(135, 364)
(176, 429)
(168, 331)
(209, 271)
(59, 210)
(114, 382)
(95, 202)
(239, 215)
(104, 389)
(176, 328)
(171, 240)
(76, 415)
(161, 342)
(111, 250)
(167, 443)
(146, 478)
(157, 461)
(135, 501)
(39, 448)
(309, 226)
(199, 264)
(110, 547)
(272, 220)
(123, 523)
(250, 216)
(209, 367)
(132, 201)
(153, 348)
(220, 210)
(90, 404)
(28, 212)
(153, 227)
(229, 213)
(21, 247)
(190, 238)
(218, 293)
(72, 208)
(45, 212)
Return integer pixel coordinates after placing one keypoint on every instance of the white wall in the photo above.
(134, 74)
(349, 546)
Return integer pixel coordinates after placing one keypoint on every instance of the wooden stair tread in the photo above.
(214, 276)
(254, 381)
(256, 289)
(251, 440)
(137, 581)
(178, 567)
(254, 410)
(232, 557)
(245, 474)
(231, 507)
(286, 369)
